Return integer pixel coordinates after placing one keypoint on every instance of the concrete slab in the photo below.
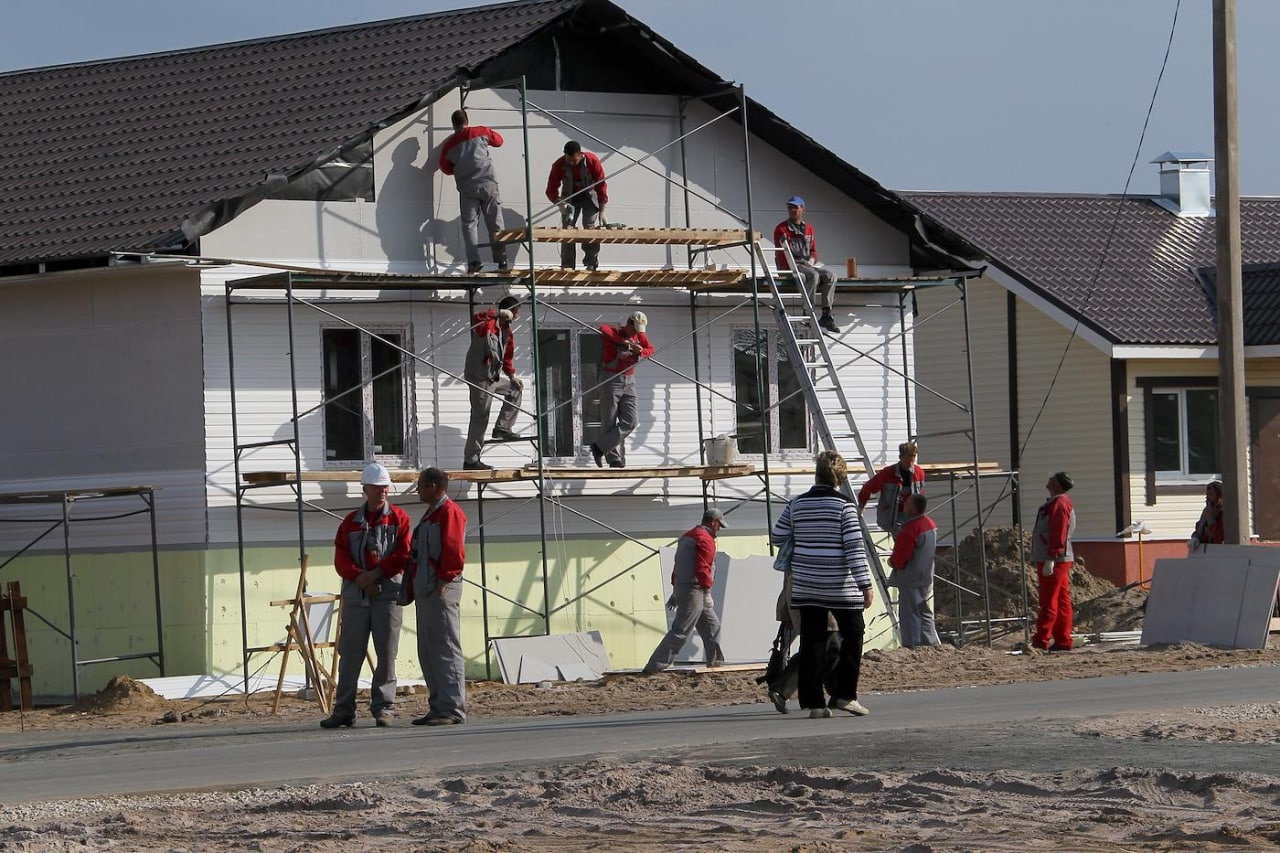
(569, 657)
(1220, 596)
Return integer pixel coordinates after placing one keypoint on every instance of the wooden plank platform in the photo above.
(525, 474)
(623, 234)
(692, 279)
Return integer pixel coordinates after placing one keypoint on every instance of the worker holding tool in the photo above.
(371, 552)
(577, 185)
(623, 348)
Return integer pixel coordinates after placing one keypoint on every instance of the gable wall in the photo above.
(413, 225)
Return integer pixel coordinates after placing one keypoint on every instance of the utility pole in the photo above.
(1232, 447)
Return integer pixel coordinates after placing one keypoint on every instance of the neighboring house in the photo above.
(1132, 414)
(318, 151)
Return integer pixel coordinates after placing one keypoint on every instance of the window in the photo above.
(570, 363)
(366, 396)
(788, 422)
(347, 177)
(1184, 433)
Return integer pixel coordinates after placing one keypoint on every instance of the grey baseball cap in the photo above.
(714, 515)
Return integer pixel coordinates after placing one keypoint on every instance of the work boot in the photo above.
(598, 455)
(335, 721)
(779, 701)
(819, 713)
(826, 322)
(383, 719)
(500, 434)
(474, 268)
(475, 465)
(443, 720)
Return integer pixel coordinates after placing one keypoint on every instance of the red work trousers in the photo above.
(1054, 619)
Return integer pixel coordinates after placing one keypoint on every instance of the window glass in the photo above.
(590, 352)
(746, 390)
(556, 391)
(1202, 431)
(343, 421)
(793, 424)
(388, 395)
(1167, 427)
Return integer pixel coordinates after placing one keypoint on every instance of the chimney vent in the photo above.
(1184, 183)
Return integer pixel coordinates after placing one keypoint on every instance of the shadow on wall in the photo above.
(405, 203)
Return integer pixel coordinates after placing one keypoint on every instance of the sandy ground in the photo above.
(680, 803)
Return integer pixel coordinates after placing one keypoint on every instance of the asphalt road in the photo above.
(1022, 726)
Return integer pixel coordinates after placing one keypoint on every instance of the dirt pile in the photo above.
(1099, 606)
(122, 695)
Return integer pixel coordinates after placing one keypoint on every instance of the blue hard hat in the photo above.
(795, 201)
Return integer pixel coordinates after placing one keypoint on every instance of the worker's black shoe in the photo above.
(500, 434)
(618, 464)
(475, 268)
(598, 455)
(779, 701)
(503, 266)
(592, 265)
(827, 323)
(475, 465)
(383, 719)
(443, 720)
(335, 721)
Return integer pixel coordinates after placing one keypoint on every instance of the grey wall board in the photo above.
(1222, 598)
(559, 657)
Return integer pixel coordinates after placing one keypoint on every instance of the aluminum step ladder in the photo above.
(828, 405)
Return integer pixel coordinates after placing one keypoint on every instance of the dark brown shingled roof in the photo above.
(1147, 290)
(117, 155)
(1260, 310)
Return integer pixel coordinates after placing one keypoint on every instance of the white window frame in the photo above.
(1183, 474)
(408, 459)
(770, 334)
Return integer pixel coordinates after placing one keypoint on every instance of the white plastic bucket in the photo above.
(721, 450)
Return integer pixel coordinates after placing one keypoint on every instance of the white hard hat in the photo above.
(375, 474)
(639, 320)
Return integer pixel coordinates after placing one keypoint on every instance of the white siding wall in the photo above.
(104, 390)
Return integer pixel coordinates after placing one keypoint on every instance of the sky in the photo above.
(977, 95)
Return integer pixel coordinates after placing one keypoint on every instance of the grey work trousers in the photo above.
(379, 618)
(481, 404)
(820, 281)
(617, 416)
(570, 212)
(694, 609)
(915, 617)
(440, 648)
(482, 199)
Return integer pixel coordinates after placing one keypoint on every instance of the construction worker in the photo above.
(692, 576)
(490, 372)
(894, 483)
(914, 547)
(371, 552)
(799, 237)
(465, 155)
(1052, 554)
(624, 346)
(577, 185)
(439, 552)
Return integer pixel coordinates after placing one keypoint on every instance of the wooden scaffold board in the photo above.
(623, 234)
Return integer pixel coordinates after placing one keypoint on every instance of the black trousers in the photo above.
(813, 640)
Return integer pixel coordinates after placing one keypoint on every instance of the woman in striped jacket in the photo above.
(829, 574)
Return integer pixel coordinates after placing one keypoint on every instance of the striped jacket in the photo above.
(829, 565)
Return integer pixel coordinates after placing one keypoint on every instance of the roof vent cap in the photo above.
(1184, 183)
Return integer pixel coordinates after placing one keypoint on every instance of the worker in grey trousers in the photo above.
(438, 556)
(465, 156)
(623, 347)
(490, 372)
(691, 579)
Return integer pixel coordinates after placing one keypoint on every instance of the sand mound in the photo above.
(1099, 606)
(121, 695)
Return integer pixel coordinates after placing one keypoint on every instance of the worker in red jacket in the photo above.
(577, 184)
(490, 373)
(624, 346)
(371, 552)
(465, 155)
(798, 236)
(894, 484)
(914, 547)
(692, 576)
(1209, 527)
(439, 553)
(1053, 557)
